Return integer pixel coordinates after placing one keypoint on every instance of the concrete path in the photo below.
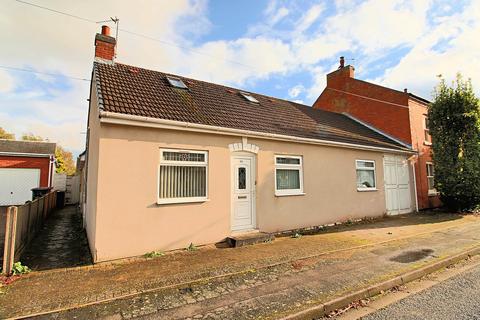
(61, 242)
(265, 281)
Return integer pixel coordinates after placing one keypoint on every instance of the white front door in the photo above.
(16, 185)
(397, 184)
(243, 193)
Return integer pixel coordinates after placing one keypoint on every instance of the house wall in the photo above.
(91, 165)
(42, 163)
(391, 111)
(129, 222)
(418, 113)
(381, 107)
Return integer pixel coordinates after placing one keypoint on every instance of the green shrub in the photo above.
(454, 124)
(19, 269)
(153, 254)
(191, 247)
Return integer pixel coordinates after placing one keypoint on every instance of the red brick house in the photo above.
(397, 114)
(24, 165)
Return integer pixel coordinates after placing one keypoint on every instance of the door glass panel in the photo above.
(242, 177)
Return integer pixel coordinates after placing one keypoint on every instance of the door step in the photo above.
(249, 238)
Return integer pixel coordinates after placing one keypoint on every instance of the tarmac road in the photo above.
(455, 298)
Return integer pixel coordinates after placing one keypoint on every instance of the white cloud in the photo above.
(53, 43)
(418, 69)
(295, 91)
(240, 60)
(319, 82)
(377, 24)
(309, 17)
(279, 15)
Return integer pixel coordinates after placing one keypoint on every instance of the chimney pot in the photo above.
(342, 62)
(105, 30)
(405, 90)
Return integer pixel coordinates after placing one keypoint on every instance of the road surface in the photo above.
(455, 298)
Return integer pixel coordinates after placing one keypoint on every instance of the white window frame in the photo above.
(186, 164)
(431, 192)
(289, 192)
(177, 83)
(249, 97)
(426, 132)
(374, 169)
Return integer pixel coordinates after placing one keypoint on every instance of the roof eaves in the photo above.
(126, 119)
(96, 83)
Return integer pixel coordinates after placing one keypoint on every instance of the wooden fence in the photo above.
(22, 223)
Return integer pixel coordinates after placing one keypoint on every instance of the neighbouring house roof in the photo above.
(27, 147)
(413, 96)
(135, 91)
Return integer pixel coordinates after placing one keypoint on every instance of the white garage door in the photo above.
(16, 185)
(397, 184)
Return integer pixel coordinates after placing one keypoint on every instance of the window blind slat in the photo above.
(182, 181)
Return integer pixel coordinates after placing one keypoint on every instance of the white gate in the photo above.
(397, 184)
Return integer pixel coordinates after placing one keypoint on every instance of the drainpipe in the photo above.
(415, 186)
(50, 169)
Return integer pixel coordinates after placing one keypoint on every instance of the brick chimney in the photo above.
(104, 46)
(339, 76)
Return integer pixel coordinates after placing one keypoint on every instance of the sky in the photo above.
(278, 48)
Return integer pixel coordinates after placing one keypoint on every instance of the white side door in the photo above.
(397, 184)
(16, 185)
(243, 193)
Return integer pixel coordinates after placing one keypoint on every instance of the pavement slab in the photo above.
(265, 281)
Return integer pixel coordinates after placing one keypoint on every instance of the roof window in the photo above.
(177, 83)
(248, 96)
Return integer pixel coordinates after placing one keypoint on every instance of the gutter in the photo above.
(132, 120)
(20, 154)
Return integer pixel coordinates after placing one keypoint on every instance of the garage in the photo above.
(16, 185)
(397, 185)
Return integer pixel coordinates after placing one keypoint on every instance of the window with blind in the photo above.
(365, 175)
(288, 175)
(182, 176)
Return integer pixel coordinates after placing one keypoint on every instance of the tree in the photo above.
(64, 159)
(31, 137)
(6, 135)
(454, 123)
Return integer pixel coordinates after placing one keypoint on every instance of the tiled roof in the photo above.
(35, 147)
(141, 92)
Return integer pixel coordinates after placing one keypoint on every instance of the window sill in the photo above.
(289, 194)
(366, 190)
(427, 143)
(179, 201)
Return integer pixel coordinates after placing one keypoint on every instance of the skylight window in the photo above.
(248, 96)
(177, 83)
